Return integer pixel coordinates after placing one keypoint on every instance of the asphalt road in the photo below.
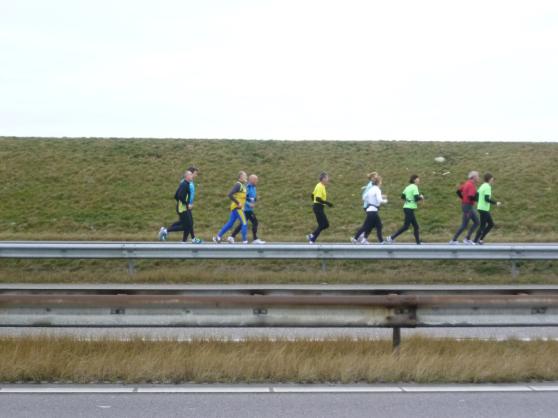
(185, 334)
(431, 405)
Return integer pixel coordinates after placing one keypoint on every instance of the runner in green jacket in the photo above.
(411, 197)
(483, 207)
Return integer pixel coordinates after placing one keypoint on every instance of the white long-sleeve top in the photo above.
(373, 199)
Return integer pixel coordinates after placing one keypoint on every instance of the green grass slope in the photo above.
(122, 189)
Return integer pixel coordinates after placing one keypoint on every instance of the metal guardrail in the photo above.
(142, 250)
(319, 307)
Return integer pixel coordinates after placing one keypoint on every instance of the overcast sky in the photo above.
(300, 69)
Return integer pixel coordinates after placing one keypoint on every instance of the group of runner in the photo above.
(243, 197)
(373, 199)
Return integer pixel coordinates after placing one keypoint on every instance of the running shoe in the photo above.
(310, 238)
(354, 240)
(245, 242)
(452, 242)
(163, 233)
(389, 240)
(258, 241)
(197, 241)
(480, 242)
(230, 240)
(217, 239)
(468, 242)
(364, 241)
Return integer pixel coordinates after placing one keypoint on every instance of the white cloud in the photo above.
(280, 69)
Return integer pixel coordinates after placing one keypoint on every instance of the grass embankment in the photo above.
(257, 361)
(92, 189)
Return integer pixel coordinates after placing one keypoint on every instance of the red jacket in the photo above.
(468, 193)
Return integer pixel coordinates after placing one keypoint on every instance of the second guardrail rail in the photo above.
(279, 307)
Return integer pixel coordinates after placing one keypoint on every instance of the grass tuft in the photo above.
(421, 360)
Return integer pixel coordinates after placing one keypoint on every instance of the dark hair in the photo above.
(323, 175)
(487, 177)
(193, 169)
(413, 178)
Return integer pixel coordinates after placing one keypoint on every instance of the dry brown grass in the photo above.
(340, 361)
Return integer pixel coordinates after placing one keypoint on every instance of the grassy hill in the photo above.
(122, 189)
(110, 189)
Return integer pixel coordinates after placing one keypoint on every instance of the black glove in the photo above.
(329, 204)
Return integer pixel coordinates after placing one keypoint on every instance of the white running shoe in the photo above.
(258, 241)
(364, 241)
(230, 240)
(245, 242)
(452, 242)
(309, 238)
(354, 240)
(217, 239)
(163, 233)
(389, 240)
(468, 242)
(384, 242)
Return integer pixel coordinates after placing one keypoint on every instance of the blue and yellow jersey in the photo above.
(238, 192)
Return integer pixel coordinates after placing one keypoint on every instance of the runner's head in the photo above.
(378, 181)
(488, 178)
(474, 175)
(194, 170)
(188, 175)
(373, 176)
(324, 177)
(242, 176)
(415, 179)
(253, 179)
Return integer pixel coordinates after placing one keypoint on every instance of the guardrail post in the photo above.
(131, 267)
(396, 339)
(514, 269)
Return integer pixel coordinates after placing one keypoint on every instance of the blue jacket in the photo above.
(250, 197)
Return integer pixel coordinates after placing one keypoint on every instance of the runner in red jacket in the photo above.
(468, 195)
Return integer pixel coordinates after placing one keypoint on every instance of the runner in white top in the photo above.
(373, 199)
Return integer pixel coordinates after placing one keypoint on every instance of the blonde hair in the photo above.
(373, 176)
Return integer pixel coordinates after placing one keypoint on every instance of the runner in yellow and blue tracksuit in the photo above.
(238, 196)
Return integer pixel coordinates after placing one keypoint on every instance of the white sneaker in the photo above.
(217, 239)
(384, 242)
(230, 240)
(163, 233)
(245, 242)
(258, 241)
(309, 238)
(468, 242)
(364, 241)
(452, 242)
(354, 240)
(388, 240)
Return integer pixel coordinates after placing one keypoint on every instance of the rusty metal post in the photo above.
(396, 339)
